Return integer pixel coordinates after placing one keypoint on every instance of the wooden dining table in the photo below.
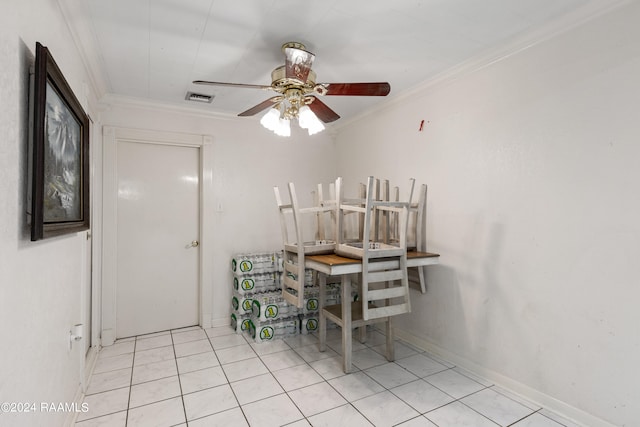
(336, 265)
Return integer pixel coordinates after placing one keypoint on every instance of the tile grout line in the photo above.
(479, 413)
(349, 402)
(307, 363)
(175, 360)
(133, 362)
(227, 378)
(364, 371)
(304, 417)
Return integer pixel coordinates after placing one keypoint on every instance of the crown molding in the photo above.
(76, 16)
(111, 100)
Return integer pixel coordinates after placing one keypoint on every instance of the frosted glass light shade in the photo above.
(308, 120)
(283, 128)
(271, 120)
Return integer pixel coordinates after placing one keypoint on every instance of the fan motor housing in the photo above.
(279, 80)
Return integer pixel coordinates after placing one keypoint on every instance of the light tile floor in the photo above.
(214, 377)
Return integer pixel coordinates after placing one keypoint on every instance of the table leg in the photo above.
(322, 327)
(362, 330)
(346, 323)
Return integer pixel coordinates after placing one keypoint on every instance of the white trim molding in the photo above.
(109, 253)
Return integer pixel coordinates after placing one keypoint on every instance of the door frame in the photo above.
(111, 136)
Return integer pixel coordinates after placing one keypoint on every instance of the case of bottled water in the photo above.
(255, 283)
(273, 329)
(253, 263)
(240, 322)
(271, 306)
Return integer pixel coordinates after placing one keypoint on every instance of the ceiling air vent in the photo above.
(198, 97)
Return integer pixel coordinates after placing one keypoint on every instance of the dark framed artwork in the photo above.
(60, 158)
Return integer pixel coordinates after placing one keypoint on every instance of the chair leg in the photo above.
(346, 323)
(391, 351)
(362, 330)
(322, 327)
(423, 280)
(363, 333)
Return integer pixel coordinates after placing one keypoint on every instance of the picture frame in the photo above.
(60, 153)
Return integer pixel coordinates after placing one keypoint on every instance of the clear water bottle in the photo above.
(240, 323)
(241, 304)
(270, 330)
(308, 324)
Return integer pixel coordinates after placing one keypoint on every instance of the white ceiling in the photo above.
(153, 49)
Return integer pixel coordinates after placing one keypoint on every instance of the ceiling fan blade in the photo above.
(298, 63)
(357, 89)
(323, 112)
(250, 86)
(260, 107)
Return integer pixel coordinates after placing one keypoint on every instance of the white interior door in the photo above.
(157, 249)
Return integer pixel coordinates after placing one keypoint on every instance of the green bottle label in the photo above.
(248, 284)
(234, 322)
(246, 265)
(271, 311)
(312, 324)
(255, 309)
(266, 333)
(312, 304)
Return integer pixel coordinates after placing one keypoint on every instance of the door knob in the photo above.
(195, 244)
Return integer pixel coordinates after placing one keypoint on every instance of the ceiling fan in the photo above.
(295, 83)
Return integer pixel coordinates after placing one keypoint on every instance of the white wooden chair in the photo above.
(352, 222)
(416, 228)
(325, 224)
(295, 246)
(384, 292)
(418, 231)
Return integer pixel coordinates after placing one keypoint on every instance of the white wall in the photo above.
(532, 167)
(247, 162)
(40, 283)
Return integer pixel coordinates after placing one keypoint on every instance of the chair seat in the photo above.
(376, 250)
(318, 247)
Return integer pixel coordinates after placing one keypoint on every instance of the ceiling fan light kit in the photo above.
(276, 123)
(309, 121)
(278, 119)
(295, 82)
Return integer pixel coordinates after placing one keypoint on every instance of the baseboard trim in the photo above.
(90, 363)
(224, 321)
(206, 321)
(107, 337)
(562, 409)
